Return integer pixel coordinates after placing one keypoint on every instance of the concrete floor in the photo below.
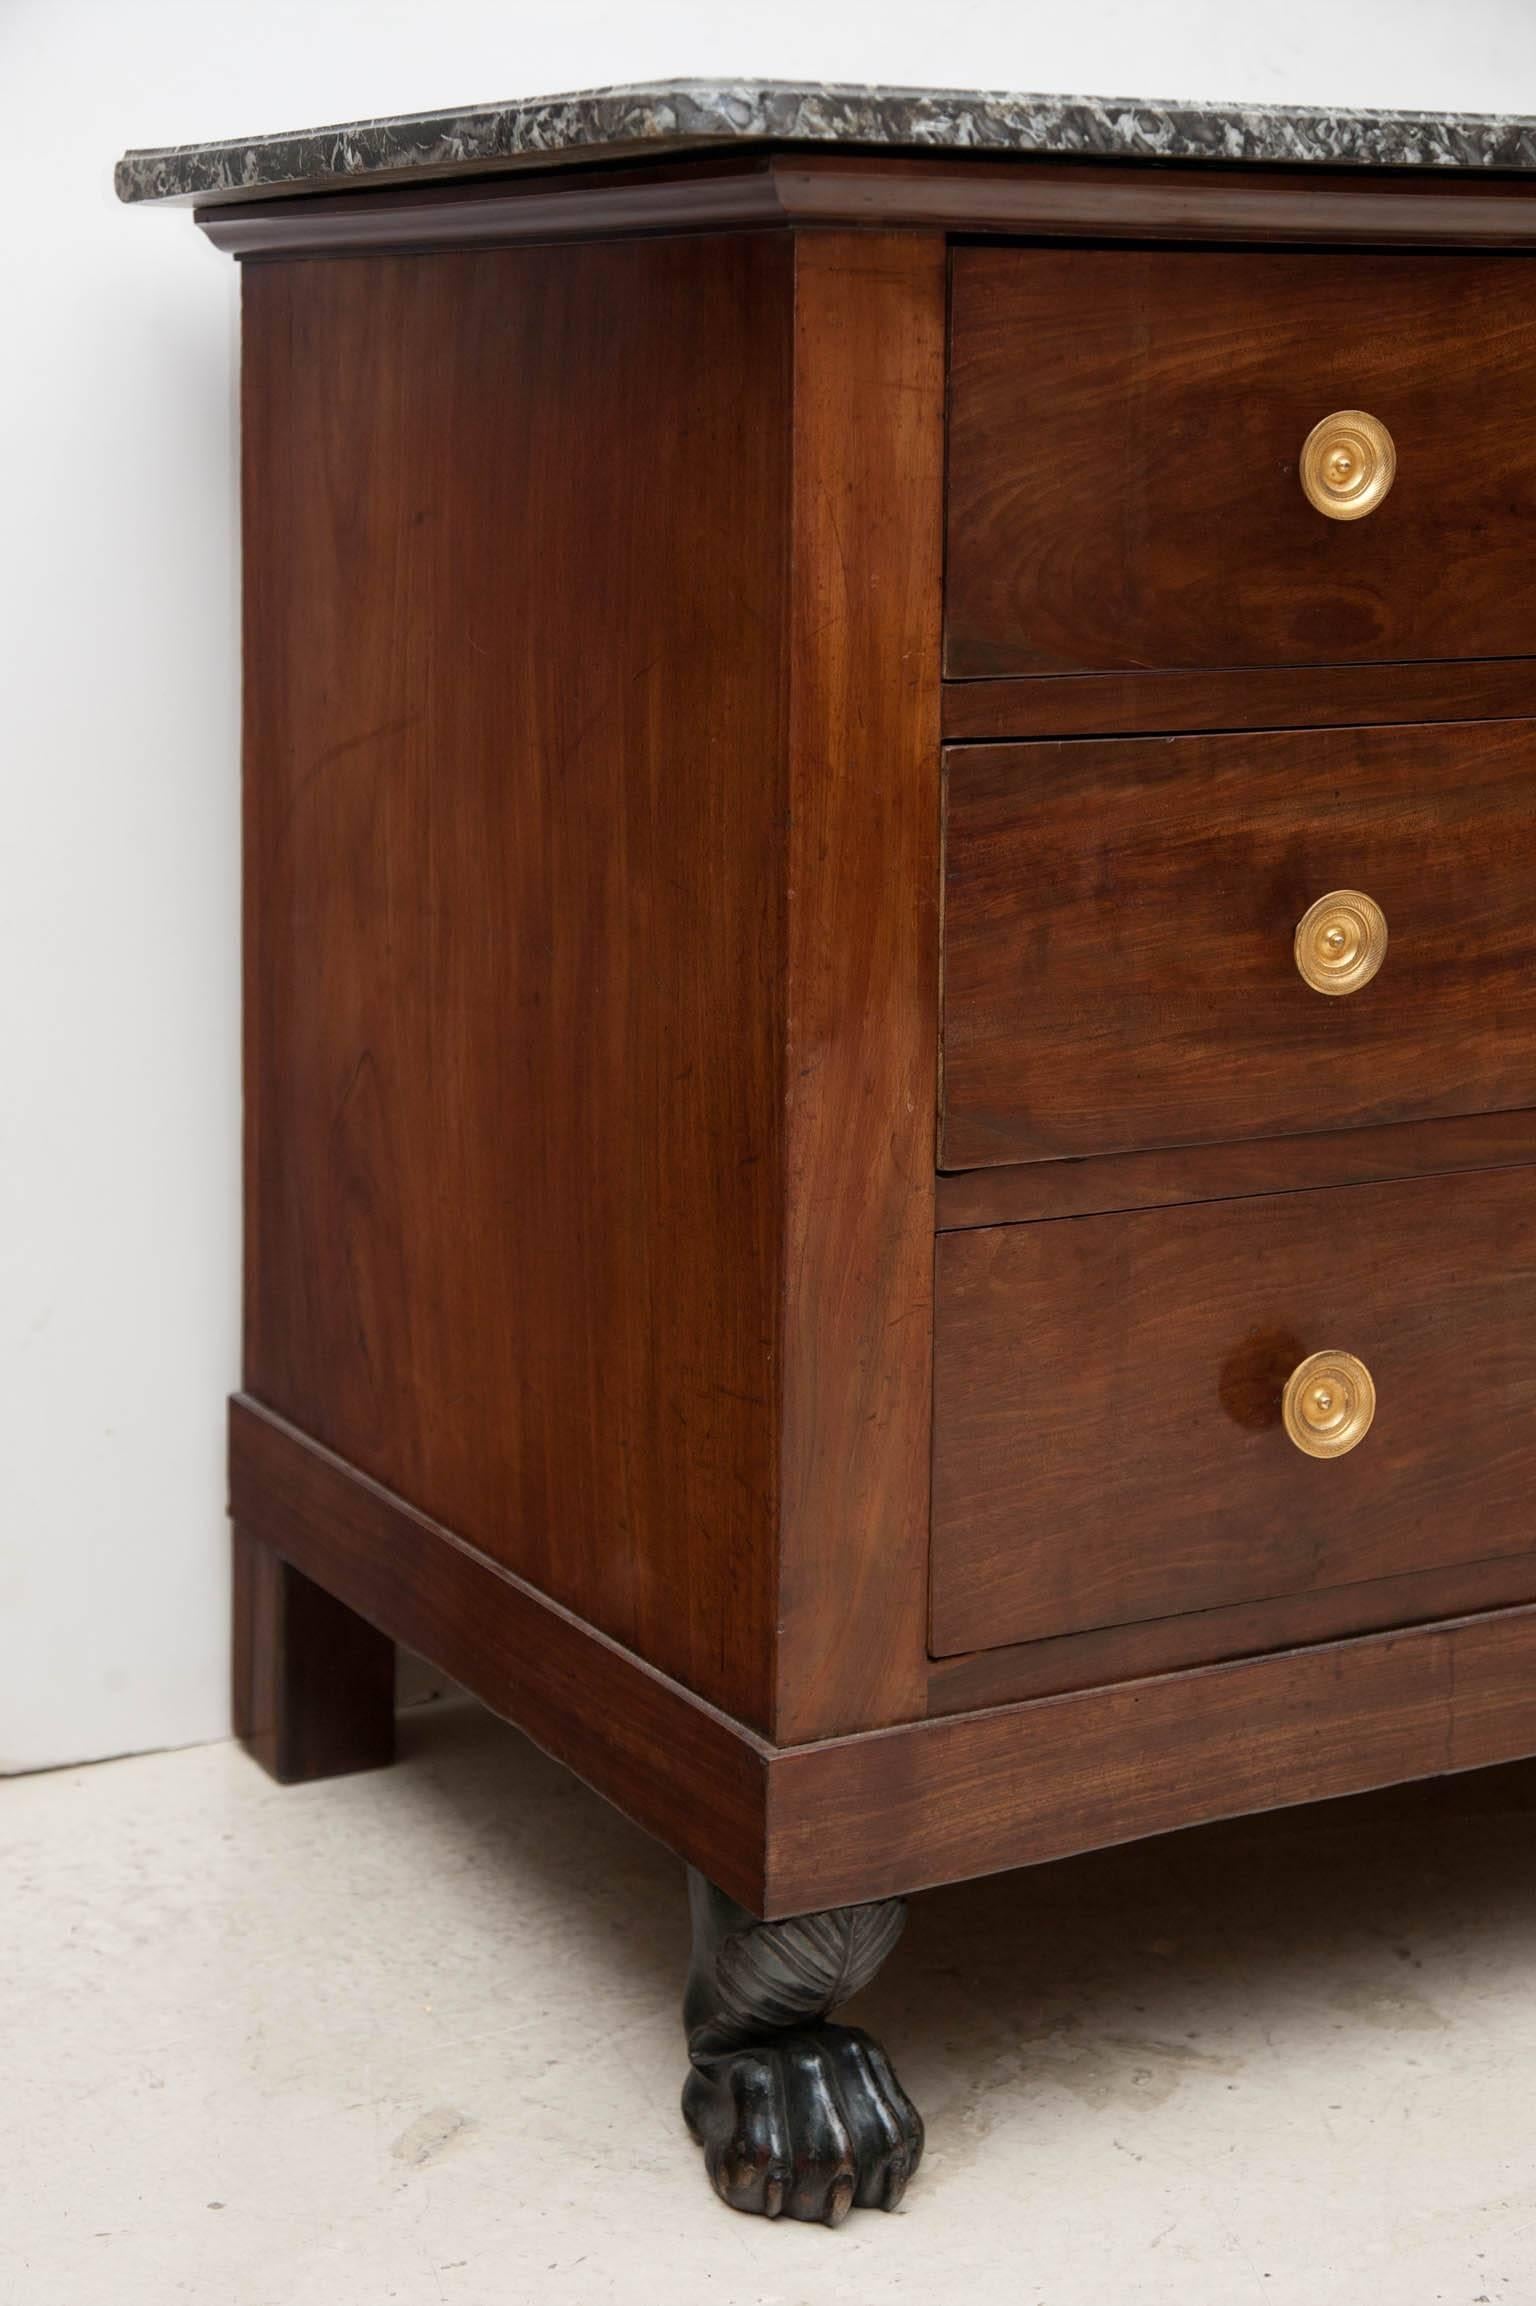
(414, 2037)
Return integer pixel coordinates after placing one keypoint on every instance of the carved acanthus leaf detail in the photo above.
(780, 1974)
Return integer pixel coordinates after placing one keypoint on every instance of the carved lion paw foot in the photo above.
(810, 2125)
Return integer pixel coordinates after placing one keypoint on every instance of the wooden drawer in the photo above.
(1120, 927)
(1125, 434)
(1108, 1436)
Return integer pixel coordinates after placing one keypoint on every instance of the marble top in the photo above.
(680, 115)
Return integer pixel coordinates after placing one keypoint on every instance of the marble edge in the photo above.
(683, 114)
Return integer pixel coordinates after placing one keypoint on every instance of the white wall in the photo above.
(118, 707)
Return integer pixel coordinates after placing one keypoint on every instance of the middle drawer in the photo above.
(1121, 966)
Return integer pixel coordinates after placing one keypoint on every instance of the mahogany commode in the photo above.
(890, 1023)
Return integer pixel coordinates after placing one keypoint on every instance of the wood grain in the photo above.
(1026, 1192)
(1250, 697)
(869, 1817)
(1119, 965)
(1119, 1653)
(845, 1820)
(867, 521)
(515, 956)
(313, 1683)
(673, 1763)
(592, 936)
(1125, 427)
(1107, 1435)
(593, 706)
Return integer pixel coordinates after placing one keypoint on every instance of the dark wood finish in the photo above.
(936, 1801)
(797, 2118)
(1124, 436)
(1251, 697)
(1120, 915)
(1108, 1444)
(678, 1766)
(314, 1684)
(714, 193)
(515, 945)
(1024, 1192)
(1004, 1676)
(593, 716)
(958, 192)
(1111, 201)
(862, 672)
(847, 1820)
(576, 1214)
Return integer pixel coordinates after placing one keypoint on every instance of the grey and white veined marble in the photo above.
(681, 114)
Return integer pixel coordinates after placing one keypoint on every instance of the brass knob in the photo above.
(1330, 1400)
(1341, 941)
(1348, 463)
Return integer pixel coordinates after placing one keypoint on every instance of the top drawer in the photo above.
(1126, 430)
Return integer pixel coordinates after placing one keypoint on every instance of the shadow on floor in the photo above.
(1104, 1972)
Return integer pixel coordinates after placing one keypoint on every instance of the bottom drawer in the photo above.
(1110, 1432)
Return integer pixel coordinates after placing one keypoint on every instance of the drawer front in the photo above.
(1110, 1442)
(1121, 915)
(1126, 429)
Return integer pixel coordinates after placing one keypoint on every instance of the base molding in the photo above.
(669, 1760)
(1020, 1784)
(792, 1829)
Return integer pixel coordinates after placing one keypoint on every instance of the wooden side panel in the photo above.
(863, 977)
(674, 1764)
(873, 1816)
(1109, 1444)
(515, 989)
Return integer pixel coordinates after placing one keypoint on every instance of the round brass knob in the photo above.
(1348, 463)
(1330, 1400)
(1341, 941)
